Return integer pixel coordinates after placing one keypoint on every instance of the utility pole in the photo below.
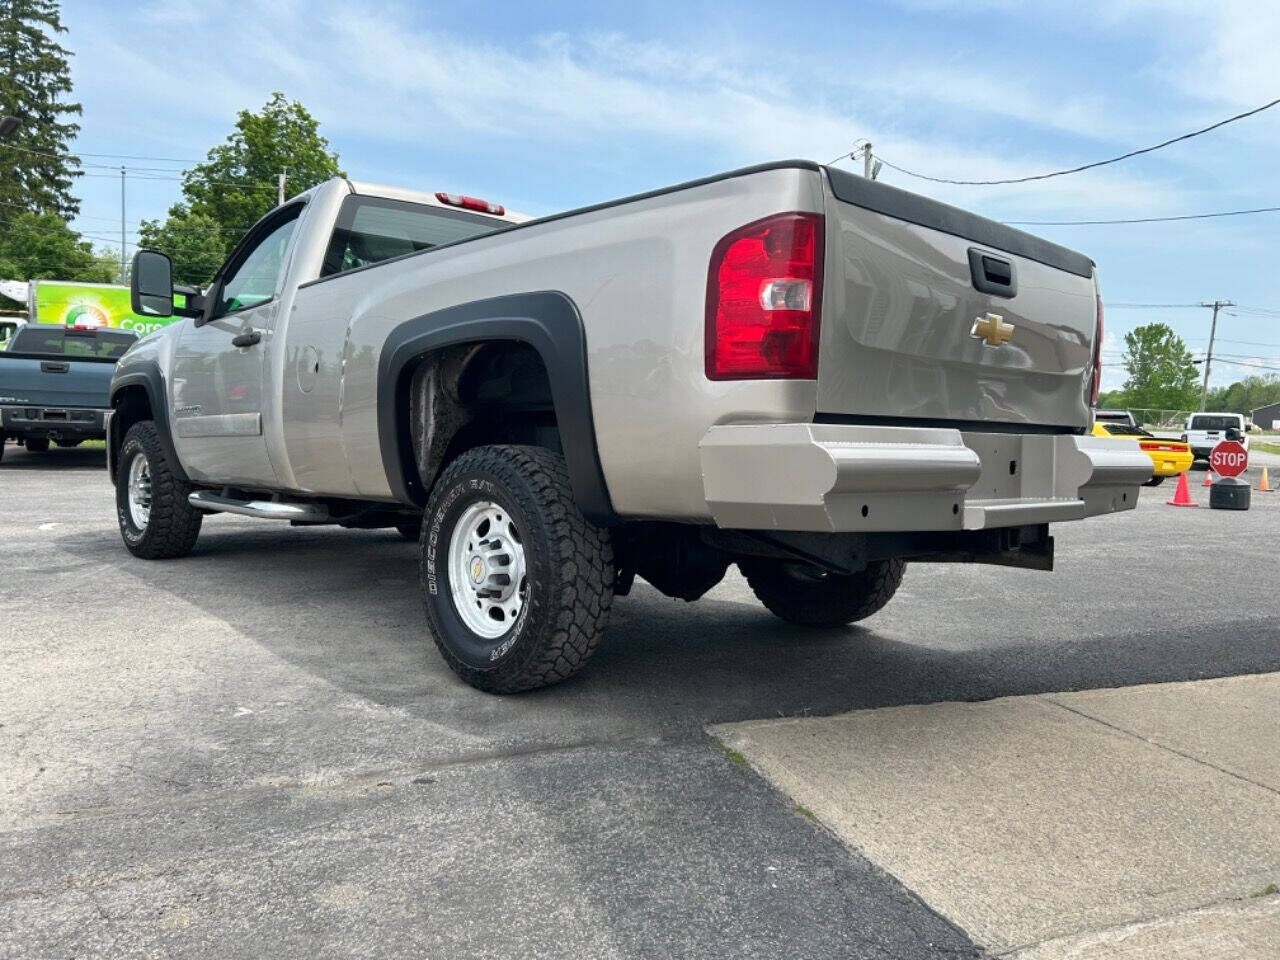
(866, 160)
(1208, 357)
(280, 188)
(122, 263)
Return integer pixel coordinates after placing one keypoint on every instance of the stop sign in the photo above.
(1229, 458)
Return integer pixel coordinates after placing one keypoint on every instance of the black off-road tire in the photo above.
(569, 570)
(410, 529)
(173, 524)
(809, 597)
(36, 444)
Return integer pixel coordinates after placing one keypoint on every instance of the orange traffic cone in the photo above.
(1208, 479)
(1265, 485)
(1182, 496)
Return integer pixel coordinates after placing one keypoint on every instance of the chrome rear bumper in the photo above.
(844, 478)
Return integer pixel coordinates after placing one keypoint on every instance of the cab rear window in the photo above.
(1214, 423)
(373, 229)
(72, 343)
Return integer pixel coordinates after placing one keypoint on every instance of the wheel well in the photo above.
(472, 394)
(131, 405)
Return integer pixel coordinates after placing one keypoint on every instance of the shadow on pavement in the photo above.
(344, 606)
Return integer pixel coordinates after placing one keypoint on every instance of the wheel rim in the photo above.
(487, 570)
(140, 491)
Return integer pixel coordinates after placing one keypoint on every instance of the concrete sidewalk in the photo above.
(1134, 822)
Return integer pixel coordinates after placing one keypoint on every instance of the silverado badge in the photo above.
(992, 330)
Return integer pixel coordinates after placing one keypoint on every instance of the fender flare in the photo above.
(549, 322)
(146, 375)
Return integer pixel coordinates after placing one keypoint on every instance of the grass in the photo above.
(805, 812)
(1264, 447)
(735, 756)
(1270, 890)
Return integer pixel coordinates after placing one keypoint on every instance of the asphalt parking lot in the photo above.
(257, 750)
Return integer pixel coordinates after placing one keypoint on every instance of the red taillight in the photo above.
(1096, 387)
(471, 203)
(764, 298)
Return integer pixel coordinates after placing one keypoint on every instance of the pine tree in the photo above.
(34, 80)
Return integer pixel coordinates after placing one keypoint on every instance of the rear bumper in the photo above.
(81, 423)
(845, 478)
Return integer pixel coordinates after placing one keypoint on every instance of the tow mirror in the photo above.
(151, 284)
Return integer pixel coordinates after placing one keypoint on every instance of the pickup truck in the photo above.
(1205, 431)
(54, 384)
(790, 368)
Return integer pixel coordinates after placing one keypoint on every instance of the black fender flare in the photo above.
(146, 375)
(550, 323)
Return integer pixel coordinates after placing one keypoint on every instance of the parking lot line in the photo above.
(1027, 820)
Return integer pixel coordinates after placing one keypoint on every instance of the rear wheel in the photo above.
(809, 596)
(517, 583)
(37, 444)
(156, 521)
(1154, 482)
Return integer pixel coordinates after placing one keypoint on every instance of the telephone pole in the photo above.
(1208, 357)
(280, 188)
(122, 262)
(866, 160)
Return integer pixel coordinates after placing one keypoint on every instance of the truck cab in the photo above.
(1204, 431)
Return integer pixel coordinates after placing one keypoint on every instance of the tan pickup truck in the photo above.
(803, 372)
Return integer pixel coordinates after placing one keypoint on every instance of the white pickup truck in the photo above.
(1206, 430)
(787, 367)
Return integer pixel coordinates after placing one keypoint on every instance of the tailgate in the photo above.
(907, 278)
(35, 381)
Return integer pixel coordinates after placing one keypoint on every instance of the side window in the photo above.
(252, 279)
(373, 229)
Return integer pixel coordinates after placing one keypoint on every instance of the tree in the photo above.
(236, 185)
(34, 79)
(41, 245)
(1161, 374)
(1247, 395)
(194, 242)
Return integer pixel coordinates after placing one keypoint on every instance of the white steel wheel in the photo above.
(487, 575)
(140, 491)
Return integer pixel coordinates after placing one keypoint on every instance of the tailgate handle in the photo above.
(54, 366)
(992, 274)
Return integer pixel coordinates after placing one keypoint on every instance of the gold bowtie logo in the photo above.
(992, 330)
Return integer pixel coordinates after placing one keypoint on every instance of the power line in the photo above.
(1084, 166)
(117, 156)
(1185, 216)
(1151, 306)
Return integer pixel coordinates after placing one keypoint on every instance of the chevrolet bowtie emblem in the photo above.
(992, 330)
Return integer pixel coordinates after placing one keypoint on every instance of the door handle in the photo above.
(246, 339)
(54, 366)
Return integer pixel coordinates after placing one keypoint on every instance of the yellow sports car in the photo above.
(1169, 457)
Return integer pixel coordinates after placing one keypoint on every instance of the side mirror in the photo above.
(1233, 433)
(151, 284)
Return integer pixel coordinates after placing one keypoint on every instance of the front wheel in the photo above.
(156, 521)
(809, 596)
(517, 583)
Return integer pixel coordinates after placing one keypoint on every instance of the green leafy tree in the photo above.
(42, 246)
(34, 82)
(194, 241)
(1247, 395)
(1160, 372)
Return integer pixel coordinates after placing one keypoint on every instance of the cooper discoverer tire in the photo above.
(503, 536)
(809, 597)
(160, 523)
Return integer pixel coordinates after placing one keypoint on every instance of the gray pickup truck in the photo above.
(54, 382)
(787, 367)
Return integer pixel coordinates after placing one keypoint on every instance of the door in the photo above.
(219, 366)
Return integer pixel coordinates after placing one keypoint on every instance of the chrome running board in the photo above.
(268, 509)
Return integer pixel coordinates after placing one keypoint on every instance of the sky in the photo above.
(546, 107)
